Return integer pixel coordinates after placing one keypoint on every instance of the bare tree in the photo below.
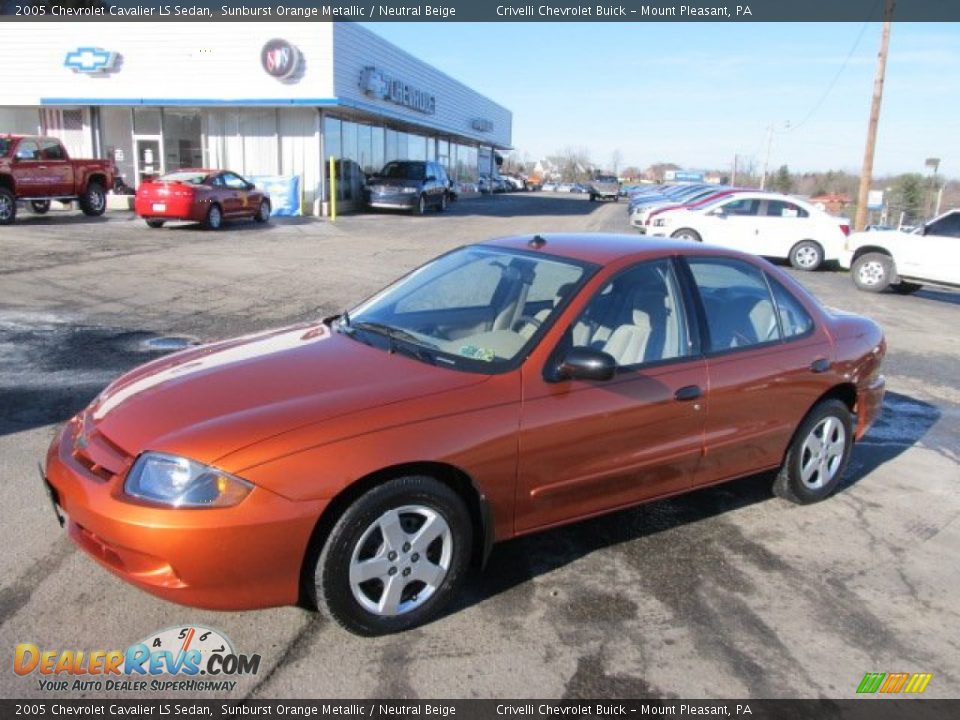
(616, 157)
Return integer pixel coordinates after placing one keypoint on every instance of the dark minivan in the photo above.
(409, 185)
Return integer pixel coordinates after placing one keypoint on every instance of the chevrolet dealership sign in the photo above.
(378, 84)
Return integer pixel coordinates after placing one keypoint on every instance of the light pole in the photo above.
(933, 164)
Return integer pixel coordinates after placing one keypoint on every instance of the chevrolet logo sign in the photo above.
(90, 60)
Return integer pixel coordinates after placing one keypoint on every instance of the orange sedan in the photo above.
(365, 460)
(205, 196)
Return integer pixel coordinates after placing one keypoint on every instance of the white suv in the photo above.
(905, 261)
(762, 223)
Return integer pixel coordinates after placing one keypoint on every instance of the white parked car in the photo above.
(762, 223)
(564, 187)
(906, 260)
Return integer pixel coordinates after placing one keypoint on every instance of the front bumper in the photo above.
(242, 557)
(404, 201)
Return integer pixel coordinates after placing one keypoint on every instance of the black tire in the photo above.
(8, 207)
(40, 207)
(93, 201)
(443, 203)
(687, 234)
(616, 198)
(806, 255)
(155, 223)
(593, 198)
(263, 212)
(421, 207)
(213, 219)
(906, 288)
(356, 532)
(796, 481)
(873, 272)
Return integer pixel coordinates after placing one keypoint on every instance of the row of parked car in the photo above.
(776, 225)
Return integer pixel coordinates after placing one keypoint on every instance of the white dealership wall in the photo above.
(251, 121)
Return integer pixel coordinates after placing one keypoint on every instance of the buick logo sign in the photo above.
(279, 58)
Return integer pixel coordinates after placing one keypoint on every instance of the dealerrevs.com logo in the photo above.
(191, 659)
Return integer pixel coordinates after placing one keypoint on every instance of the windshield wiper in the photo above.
(413, 346)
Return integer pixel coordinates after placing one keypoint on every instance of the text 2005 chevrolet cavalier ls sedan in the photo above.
(365, 461)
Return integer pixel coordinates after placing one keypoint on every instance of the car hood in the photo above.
(207, 402)
(879, 236)
(395, 182)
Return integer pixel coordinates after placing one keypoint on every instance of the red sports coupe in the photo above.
(202, 195)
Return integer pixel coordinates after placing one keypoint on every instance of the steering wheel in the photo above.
(525, 320)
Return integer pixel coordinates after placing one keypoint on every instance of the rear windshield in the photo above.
(190, 178)
(4, 146)
(406, 170)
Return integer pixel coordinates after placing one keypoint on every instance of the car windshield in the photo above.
(403, 170)
(4, 146)
(606, 179)
(190, 178)
(479, 309)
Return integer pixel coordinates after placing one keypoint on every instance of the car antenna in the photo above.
(537, 242)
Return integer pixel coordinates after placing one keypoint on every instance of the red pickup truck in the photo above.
(38, 169)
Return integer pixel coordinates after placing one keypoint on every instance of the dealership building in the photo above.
(262, 99)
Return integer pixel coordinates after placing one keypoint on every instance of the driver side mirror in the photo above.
(718, 213)
(582, 363)
(249, 186)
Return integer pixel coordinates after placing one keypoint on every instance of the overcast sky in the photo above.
(697, 93)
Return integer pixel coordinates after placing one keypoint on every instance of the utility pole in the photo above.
(867, 172)
(766, 158)
(733, 179)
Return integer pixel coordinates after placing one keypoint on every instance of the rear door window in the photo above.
(736, 300)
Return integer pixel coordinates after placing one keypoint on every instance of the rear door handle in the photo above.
(688, 392)
(820, 365)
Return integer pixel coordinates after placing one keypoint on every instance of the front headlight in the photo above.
(409, 189)
(179, 482)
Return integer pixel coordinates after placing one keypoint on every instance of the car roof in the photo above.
(605, 248)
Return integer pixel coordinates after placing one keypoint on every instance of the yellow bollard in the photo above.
(333, 189)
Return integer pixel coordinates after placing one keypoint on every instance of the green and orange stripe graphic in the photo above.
(914, 683)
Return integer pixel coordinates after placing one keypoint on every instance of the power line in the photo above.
(843, 66)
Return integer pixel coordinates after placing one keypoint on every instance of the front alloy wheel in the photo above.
(394, 557)
(806, 255)
(872, 272)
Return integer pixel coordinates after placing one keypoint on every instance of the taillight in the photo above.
(845, 229)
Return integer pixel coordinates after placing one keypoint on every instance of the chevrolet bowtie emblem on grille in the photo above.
(90, 60)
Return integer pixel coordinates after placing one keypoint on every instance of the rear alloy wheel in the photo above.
(873, 272)
(817, 455)
(687, 234)
(395, 557)
(93, 201)
(806, 255)
(214, 218)
(40, 206)
(155, 223)
(8, 207)
(263, 212)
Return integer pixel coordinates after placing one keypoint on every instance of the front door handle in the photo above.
(688, 392)
(820, 365)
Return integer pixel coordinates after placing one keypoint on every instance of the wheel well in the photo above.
(6, 181)
(807, 240)
(101, 180)
(844, 392)
(451, 476)
(861, 251)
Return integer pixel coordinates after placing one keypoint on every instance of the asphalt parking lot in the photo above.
(726, 592)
